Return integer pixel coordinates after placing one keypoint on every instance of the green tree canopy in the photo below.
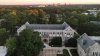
(56, 42)
(72, 42)
(11, 47)
(3, 36)
(28, 43)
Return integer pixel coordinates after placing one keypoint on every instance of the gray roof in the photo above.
(85, 41)
(47, 26)
(95, 38)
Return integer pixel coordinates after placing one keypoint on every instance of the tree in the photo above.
(98, 16)
(56, 42)
(65, 53)
(76, 36)
(28, 43)
(72, 21)
(23, 17)
(72, 42)
(10, 23)
(3, 36)
(52, 19)
(11, 47)
(74, 52)
(43, 17)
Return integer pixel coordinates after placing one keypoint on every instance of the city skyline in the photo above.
(31, 2)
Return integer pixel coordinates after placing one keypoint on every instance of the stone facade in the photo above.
(48, 31)
(88, 45)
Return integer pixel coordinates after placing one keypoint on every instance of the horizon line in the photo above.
(51, 4)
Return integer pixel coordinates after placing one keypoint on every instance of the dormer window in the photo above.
(84, 42)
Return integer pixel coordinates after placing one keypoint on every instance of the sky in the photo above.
(31, 2)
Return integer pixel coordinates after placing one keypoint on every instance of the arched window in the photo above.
(45, 40)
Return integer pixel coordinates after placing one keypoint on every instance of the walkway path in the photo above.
(68, 48)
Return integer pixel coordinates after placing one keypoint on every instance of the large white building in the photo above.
(88, 45)
(48, 31)
(92, 12)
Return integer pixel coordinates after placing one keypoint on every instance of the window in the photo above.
(68, 33)
(53, 33)
(42, 33)
(68, 29)
(84, 42)
(57, 32)
(95, 53)
(58, 52)
(60, 33)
